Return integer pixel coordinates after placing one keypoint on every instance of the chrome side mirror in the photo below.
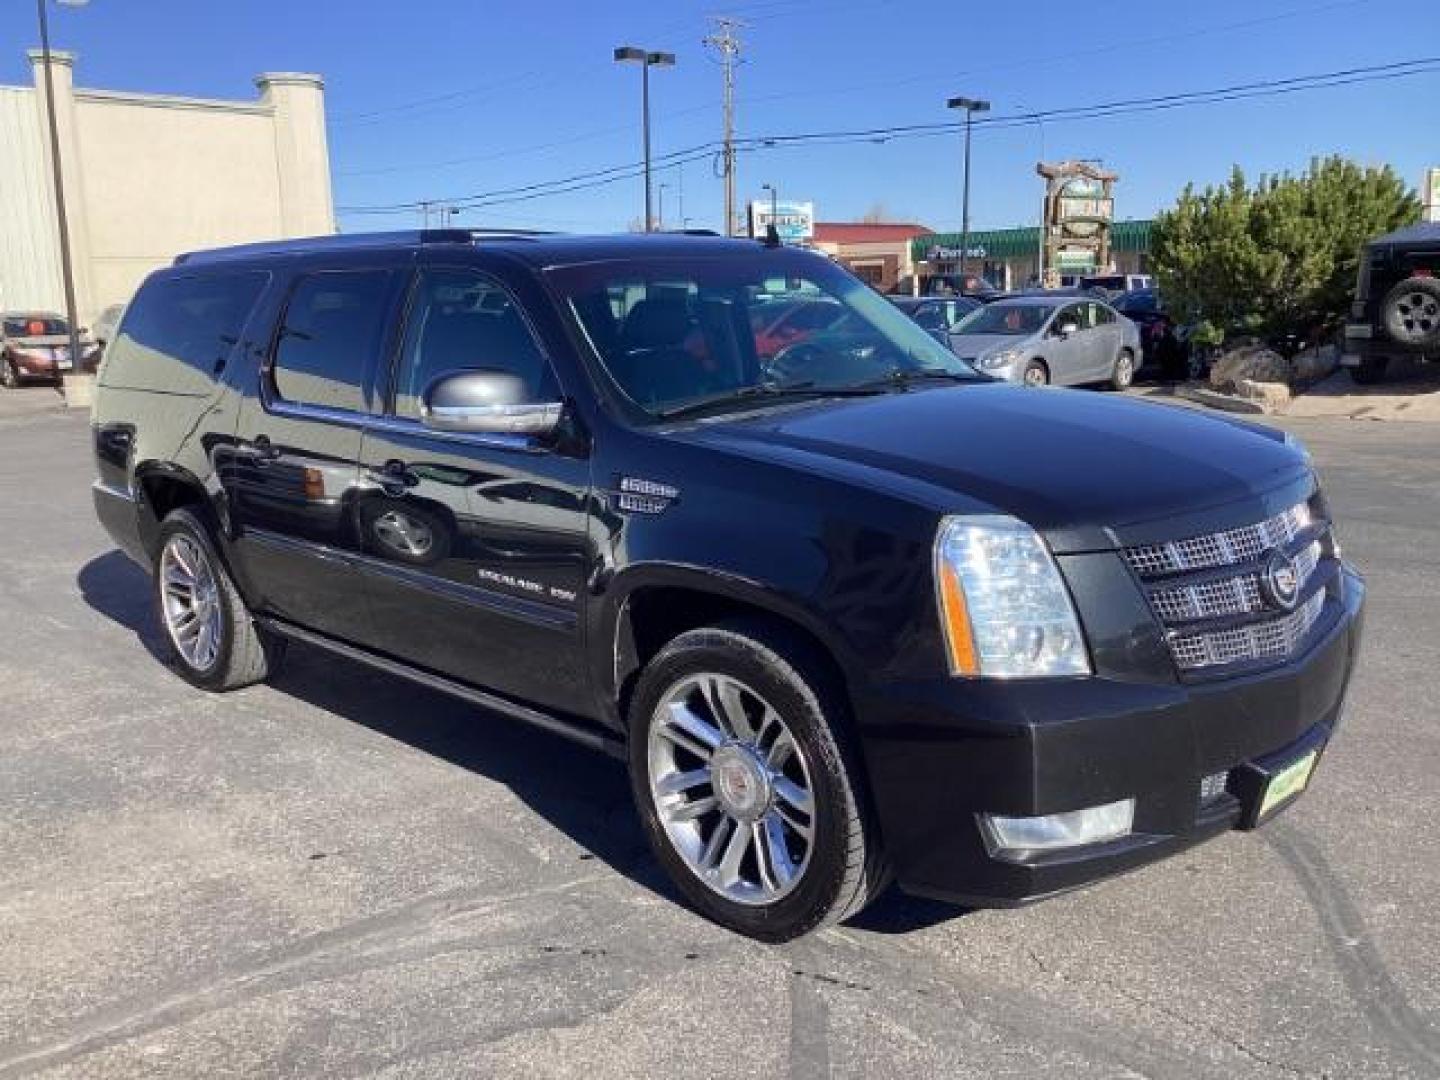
(486, 402)
(1066, 329)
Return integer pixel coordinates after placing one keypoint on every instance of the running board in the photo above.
(569, 729)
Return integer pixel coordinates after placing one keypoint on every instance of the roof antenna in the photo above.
(772, 236)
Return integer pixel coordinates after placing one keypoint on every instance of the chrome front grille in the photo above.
(1239, 595)
(1223, 548)
(1220, 579)
(1272, 640)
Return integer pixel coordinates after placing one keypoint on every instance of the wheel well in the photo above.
(657, 615)
(162, 494)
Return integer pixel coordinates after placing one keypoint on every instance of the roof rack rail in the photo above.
(351, 242)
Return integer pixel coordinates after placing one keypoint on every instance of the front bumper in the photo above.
(940, 753)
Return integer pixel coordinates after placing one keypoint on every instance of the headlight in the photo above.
(1004, 608)
(1003, 358)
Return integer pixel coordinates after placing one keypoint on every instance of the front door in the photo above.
(291, 477)
(474, 547)
(1065, 353)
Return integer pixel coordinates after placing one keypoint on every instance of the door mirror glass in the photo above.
(486, 402)
(1066, 328)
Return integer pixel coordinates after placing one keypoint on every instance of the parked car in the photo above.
(106, 325)
(971, 285)
(780, 323)
(1115, 284)
(851, 613)
(1396, 311)
(35, 347)
(936, 314)
(1163, 342)
(1037, 339)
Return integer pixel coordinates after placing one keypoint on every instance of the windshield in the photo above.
(1015, 320)
(675, 332)
(34, 325)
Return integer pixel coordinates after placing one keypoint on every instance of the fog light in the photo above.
(1051, 832)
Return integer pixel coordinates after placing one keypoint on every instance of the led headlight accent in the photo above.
(1052, 832)
(1003, 605)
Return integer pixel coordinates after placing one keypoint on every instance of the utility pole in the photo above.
(725, 40)
(67, 271)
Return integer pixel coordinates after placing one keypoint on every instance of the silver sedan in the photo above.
(1037, 340)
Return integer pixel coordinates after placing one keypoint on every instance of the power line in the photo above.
(1101, 110)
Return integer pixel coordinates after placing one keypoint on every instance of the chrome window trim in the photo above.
(394, 425)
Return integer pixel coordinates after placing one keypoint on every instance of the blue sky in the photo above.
(444, 99)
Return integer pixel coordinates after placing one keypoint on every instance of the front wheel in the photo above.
(9, 377)
(745, 783)
(1123, 375)
(1036, 374)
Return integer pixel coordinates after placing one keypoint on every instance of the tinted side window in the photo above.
(462, 320)
(179, 331)
(334, 325)
(1103, 314)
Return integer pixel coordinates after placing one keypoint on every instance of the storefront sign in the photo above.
(937, 253)
(794, 221)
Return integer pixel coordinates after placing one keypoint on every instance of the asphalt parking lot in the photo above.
(343, 874)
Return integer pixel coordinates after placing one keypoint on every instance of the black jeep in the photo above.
(1396, 313)
(849, 610)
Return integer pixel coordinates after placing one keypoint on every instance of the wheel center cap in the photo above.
(740, 781)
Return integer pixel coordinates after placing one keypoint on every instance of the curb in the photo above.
(1223, 402)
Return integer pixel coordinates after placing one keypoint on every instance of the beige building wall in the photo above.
(148, 176)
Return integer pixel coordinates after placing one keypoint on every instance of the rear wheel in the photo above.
(1124, 374)
(1036, 373)
(9, 377)
(214, 642)
(1370, 370)
(746, 785)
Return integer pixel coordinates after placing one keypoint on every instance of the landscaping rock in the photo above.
(1312, 365)
(1271, 396)
(1255, 363)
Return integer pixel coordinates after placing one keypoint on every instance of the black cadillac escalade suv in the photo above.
(849, 609)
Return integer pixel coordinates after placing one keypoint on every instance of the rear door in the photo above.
(292, 475)
(474, 546)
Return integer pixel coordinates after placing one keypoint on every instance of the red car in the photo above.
(784, 322)
(35, 347)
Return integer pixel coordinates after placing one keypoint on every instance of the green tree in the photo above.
(1278, 258)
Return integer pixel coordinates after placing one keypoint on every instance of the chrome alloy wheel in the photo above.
(732, 788)
(401, 532)
(191, 599)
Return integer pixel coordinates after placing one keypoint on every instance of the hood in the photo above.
(971, 345)
(1089, 470)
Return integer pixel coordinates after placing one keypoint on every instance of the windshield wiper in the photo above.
(767, 391)
(900, 380)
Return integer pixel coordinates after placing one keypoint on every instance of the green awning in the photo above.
(1128, 236)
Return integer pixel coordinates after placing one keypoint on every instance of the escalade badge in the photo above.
(1280, 581)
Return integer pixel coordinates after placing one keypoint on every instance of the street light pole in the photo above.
(67, 271)
(971, 107)
(774, 202)
(647, 60)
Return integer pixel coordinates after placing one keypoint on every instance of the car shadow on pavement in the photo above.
(118, 589)
(584, 794)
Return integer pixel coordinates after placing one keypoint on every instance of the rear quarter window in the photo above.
(179, 331)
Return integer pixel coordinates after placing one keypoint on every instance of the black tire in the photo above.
(9, 377)
(245, 654)
(1410, 313)
(846, 867)
(1036, 374)
(1123, 375)
(1370, 371)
